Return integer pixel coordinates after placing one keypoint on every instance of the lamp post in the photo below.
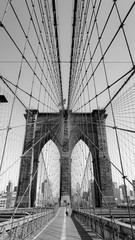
(3, 99)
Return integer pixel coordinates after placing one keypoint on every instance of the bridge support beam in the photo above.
(65, 186)
(26, 192)
(101, 162)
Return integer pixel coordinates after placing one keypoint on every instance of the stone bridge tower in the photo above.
(65, 129)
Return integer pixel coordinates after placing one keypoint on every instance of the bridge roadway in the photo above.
(64, 227)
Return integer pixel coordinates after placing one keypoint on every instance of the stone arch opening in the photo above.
(82, 178)
(48, 176)
(79, 157)
(40, 128)
(93, 133)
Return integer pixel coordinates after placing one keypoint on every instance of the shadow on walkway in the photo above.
(82, 232)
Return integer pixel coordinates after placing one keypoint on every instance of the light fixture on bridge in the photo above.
(3, 99)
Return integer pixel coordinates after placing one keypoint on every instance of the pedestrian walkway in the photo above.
(64, 227)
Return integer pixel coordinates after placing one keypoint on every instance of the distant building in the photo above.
(124, 191)
(78, 188)
(46, 191)
(13, 198)
(116, 191)
(39, 199)
(7, 199)
(15, 189)
(133, 181)
(91, 196)
(9, 187)
(131, 193)
(3, 200)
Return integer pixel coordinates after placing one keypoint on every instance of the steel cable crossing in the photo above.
(91, 85)
(36, 84)
(94, 42)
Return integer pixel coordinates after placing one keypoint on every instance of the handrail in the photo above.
(105, 227)
(25, 226)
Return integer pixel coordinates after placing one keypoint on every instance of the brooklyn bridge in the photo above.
(67, 120)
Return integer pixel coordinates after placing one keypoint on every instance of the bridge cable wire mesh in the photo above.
(87, 44)
(44, 74)
(101, 77)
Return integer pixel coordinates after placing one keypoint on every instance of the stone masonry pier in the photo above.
(65, 129)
